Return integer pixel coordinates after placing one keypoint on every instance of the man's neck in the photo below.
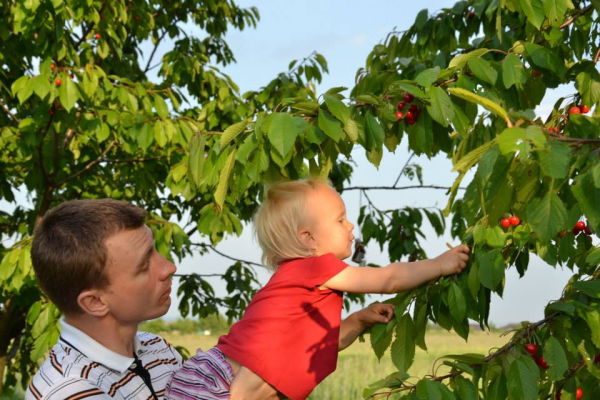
(106, 331)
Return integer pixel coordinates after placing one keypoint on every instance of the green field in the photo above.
(358, 366)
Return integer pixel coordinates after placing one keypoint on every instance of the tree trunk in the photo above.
(2, 367)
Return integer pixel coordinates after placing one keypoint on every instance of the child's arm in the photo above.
(247, 385)
(356, 323)
(400, 275)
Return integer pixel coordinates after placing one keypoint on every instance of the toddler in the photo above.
(289, 336)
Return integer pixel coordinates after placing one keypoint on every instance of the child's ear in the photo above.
(306, 238)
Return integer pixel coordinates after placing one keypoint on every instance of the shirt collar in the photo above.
(94, 350)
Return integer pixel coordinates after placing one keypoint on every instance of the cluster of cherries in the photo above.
(413, 111)
(510, 221)
(532, 349)
(55, 107)
(582, 109)
(580, 226)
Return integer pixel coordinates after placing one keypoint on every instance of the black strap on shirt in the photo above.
(143, 373)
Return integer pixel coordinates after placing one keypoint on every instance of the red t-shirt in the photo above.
(289, 333)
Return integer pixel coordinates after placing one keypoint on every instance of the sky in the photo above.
(345, 32)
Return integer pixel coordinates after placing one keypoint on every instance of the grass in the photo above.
(358, 366)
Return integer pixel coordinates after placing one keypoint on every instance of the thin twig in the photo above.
(228, 256)
(597, 56)
(6, 110)
(398, 187)
(403, 168)
(154, 51)
(88, 165)
(574, 16)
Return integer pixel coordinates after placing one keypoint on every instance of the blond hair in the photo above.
(279, 219)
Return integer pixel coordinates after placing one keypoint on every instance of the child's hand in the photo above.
(376, 312)
(454, 260)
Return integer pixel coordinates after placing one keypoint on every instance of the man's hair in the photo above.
(279, 219)
(69, 252)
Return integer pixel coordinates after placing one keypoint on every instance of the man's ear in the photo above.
(92, 302)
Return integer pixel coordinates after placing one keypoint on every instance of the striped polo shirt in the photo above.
(78, 367)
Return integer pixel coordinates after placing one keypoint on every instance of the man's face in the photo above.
(139, 277)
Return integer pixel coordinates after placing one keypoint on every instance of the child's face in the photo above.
(327, 230)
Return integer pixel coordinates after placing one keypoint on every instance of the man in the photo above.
(96, 260)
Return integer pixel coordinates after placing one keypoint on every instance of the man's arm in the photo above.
(356, 323)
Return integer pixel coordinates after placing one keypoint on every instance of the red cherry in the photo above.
(52, 66)
(137, 17)
(470, 14)
(536, 73)
(97, 36)
(562, 234)
(505, 222)
(531, 348)
(415, 110)
(410, 120)
(579, 393)
(58, 82)
(579, 226)
(514, 220)
(408, 97)
(401, 106)
(51, 111)
(541, 362)
(587, 230)
(399, 115)
(410, 114)
(584, 109)
(597, 359)
(574, 110)
(58, 106)
(71, 76)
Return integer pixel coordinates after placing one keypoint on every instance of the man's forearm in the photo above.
(350, 328)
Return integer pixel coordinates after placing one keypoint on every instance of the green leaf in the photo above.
(556, 9)
(491, 268)
(222, 187)
(483, 70)
(589, 87)
(555, 159)
(588, 198)
(523, 377)
(329, 125)
(403, 347)
(430, 390)
(466, 390)
(482, 101)
(593, 257)
(232, 132)
(555, 355)
(534, 10)
(456, 302)
(160, 136)
(68, 94)
(283, 131)
(545, 58)
(592, 318)
(513, 72)
(596, 175)
(426, 77)
(41, 86)
(373, 131)
(351, 130)
(460, 60)
(441, 108)
(337, 108)
(381, 337)
(495, 236)
(145, 136)
(547, 216)
(591, 288)
(197, 158)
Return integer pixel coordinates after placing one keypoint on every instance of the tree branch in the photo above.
(88, 165)
(597, 56)
(403, 168)
(10, 114)
(575, 15)
(154, 51)
(228, 256)
(398, 187)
